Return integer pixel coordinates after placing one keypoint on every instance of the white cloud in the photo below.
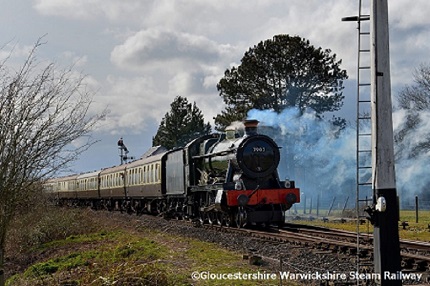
(91, 10)
(409, 15)
(162, 47)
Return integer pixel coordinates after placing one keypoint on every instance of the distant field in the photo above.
(413, 231)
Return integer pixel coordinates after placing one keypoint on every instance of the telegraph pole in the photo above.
(385, 213)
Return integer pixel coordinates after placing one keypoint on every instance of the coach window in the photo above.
(152, 173)
(145, 174)
(156, 173)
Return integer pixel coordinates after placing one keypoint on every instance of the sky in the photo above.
(138, 55)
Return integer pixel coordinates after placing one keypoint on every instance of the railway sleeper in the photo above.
(420, 265)
(407, 263)
(363, 253)
(351, 251)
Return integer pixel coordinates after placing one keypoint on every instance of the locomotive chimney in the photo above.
(251, 127)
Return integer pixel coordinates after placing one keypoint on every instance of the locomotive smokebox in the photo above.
(251, 127)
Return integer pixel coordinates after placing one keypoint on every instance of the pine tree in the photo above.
(182, 124)
(278, 73)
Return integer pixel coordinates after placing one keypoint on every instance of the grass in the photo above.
(413, 231)
(117, 255)
(80, 247)
(416, 230)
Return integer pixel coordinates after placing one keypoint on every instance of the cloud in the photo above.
(91, 10)
(130, 104)
(162, 47)
(13, 52)
(405, 15)
(179, 64)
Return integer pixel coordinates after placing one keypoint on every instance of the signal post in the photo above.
(385, 214)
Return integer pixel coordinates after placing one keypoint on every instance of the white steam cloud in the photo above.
(413, 157)
(322, 160)
(319, 158)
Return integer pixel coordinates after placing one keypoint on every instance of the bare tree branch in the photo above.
(43, 110)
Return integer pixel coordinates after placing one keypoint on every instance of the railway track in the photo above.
(415, 254)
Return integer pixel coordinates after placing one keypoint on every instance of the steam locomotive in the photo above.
(218, 179)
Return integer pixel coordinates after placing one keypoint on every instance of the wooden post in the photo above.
(331, 206)
(416, 209)
(385, 212)
(318, 204)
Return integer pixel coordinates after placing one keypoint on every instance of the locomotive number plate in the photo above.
(258, 149)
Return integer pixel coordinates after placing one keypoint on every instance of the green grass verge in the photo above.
(143, 257)
(413, 231)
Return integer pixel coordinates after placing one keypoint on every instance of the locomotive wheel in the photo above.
(240, 218)
(219, 218)
(202, 217)
(226, 219)
(212, 217)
